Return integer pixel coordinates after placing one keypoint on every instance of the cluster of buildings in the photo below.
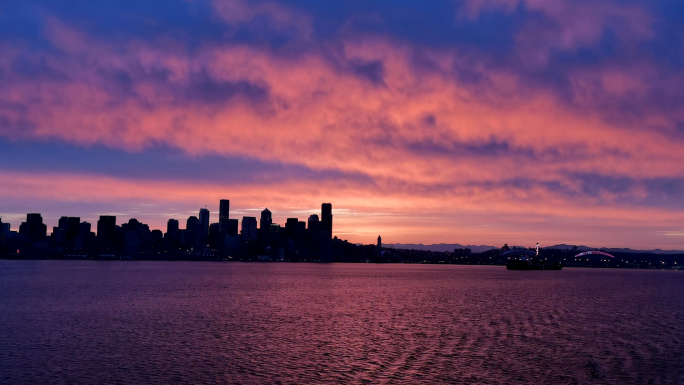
(259, 238)
(252, 239)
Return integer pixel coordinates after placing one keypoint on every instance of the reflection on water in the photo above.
(160, 322)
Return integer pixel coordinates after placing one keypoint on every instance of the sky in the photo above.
(473, 121)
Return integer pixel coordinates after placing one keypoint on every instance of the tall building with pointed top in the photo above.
(379, 242)
(264, 226)
(266, 219)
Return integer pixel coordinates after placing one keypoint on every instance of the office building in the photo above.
(313, 223)
(291, 227)
(106, 230)
(233, 225)
(327, 218)
(72, 229)
(33, 229)
(133, 225)
(62, 222)
(216, 236)
(224, 215)
(84, 228)
(266, 219)
(172, 229)
(190, 223)
(265, 226)
(200, 244)
(214, 229)
(325, 233)
(249, 229)
(300, 233)
(204, 219)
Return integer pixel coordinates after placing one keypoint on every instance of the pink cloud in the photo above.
(313, 110)
(320, 117)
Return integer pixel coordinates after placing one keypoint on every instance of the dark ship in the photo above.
(523, 259)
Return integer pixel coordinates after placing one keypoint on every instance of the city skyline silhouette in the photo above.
(252, 238)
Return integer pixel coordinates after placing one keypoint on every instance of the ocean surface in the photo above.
(90, 322)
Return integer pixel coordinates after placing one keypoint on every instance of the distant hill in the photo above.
(615, 250)
(563, 246)
(442, 247)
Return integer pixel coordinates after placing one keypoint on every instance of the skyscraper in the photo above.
(37, 231)
(313, 223)
(249, 228)
(233, 225)
(172, 229)
(63, 222)
(84, 229)
(72, 228)
(214, 229)
(266, 219)
(67, 229)
(199, 236)
(204, 218)
(33, 229)
(265, 226)
(133, 225)
(325, 233)
(300, 233)
(106, 230)
(291, 227)
(224, 210)
(327, 218)
(190, 223)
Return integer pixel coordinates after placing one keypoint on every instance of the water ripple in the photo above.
(146, 322)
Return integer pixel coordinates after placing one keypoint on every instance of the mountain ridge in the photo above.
(443, 247)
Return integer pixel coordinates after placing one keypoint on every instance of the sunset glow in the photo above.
(473, 122)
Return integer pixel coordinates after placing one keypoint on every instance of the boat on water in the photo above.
(523, 259)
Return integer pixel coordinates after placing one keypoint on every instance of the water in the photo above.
(167, 322)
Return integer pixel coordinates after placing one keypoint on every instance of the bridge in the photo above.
(532, 253)
(593, 252)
